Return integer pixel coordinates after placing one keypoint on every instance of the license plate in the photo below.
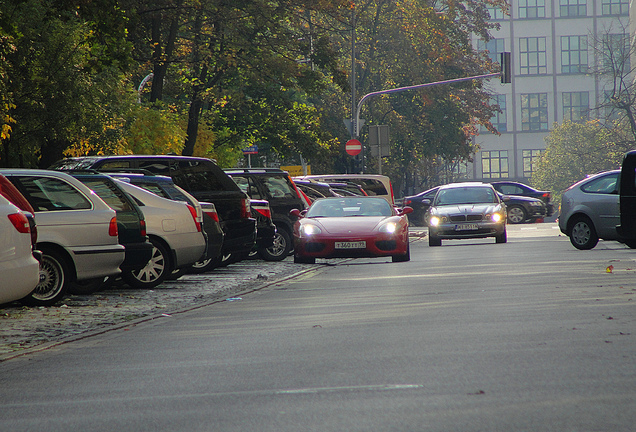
(351, 245)
(466, 227)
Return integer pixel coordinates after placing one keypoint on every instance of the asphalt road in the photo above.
(532, 335)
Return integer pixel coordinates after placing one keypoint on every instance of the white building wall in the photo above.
(552, 82)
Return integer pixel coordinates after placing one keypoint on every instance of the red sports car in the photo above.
(350, 227)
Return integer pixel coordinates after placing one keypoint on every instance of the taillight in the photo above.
(265, 211)
(20, 222)
(142, 225)
(193, 212)
(245, 209)
(392, 198)
(213, 214)
(112, 227)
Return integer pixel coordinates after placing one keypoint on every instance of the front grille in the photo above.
(386, 245)
(464, 218)
(474, 217)
(314, 247)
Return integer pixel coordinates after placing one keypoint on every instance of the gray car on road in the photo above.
(590, 210)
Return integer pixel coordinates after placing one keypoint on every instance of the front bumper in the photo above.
(460, 231)
(375, 246)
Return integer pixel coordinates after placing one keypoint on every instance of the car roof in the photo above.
(465, 184)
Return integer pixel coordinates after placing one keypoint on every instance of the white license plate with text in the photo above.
(351, 245)
(466, 227)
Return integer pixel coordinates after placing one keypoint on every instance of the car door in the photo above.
(601, 196)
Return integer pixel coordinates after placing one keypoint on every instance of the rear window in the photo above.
(279, 186)
(51, 194)
(603, 185)
(107, 191)
(198, 176)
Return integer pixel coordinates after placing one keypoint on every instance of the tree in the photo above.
(575, 150)
(238, 65)
(414, 42)
(66, 84)
(615, 54)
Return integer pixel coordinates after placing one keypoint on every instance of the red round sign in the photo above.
(353, 147)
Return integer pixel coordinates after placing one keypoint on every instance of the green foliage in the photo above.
(575, 150)
(154, 130)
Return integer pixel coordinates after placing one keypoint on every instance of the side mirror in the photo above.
(405, 210)
(427, 201)
(296, 212)
(505, 197)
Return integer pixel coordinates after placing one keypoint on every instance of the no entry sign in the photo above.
(353, 147)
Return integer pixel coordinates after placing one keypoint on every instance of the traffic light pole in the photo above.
(415, 87)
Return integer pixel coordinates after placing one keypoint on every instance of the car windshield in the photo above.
(344, 207)
(465, 195)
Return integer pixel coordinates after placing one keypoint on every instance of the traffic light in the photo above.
(506, 71)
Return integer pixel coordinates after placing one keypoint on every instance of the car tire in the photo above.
(403, 257)
(304, 260)
(54, 275)
(280, 249)
(154, 272)
(517, 214)
(434, 240)
(502, 238)
(86, 287)
(583, 234)
(203, 266)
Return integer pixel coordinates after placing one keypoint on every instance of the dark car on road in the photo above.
(276, 187)
(520, 209)
(200, 177)
(516, 188)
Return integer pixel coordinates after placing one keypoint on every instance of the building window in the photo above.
(615, 7)
(532, 56)
(495, 47)
(616, 53)
(499, 120)
(495, 13)
(573, 54)
(576, 106)
(534, 112)
(531, 8)
(494, 164)
(573, 8)
(530, 158)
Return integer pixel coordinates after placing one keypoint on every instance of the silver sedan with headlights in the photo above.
(464, 211)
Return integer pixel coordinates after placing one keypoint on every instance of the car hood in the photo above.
(466, 209)
(350, 224)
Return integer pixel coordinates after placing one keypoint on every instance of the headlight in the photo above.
(496, 217)
(434, 221)
(310, 229)
(536, 203)
(389, 227)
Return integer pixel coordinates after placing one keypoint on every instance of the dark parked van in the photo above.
(627, 200)
(200, 177)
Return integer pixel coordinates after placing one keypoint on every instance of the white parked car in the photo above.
(77, 231)
(174, 229)
(19, 270)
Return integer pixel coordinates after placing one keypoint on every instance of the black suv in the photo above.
(200, 177)
(276, 186)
